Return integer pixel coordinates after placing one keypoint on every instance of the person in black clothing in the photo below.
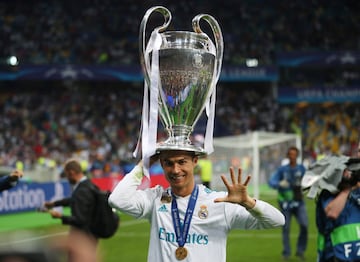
(11, 180)
(82, 202)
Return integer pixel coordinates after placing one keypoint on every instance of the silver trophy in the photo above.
(181, 70)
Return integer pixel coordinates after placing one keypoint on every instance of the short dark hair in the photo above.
(73, 164)
(293, 148)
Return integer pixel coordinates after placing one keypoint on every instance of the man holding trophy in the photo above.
(189, 222)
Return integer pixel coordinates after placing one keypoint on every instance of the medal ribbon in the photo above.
(181, 231)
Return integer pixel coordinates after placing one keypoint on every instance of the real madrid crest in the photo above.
(165, 197)
(203, 212)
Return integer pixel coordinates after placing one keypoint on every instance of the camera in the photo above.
(332, 173)
(353, 177)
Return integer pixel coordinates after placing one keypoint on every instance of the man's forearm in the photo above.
(335, 207)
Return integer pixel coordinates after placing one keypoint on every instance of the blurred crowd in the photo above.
(326, 128)
(100, 122)
(106, 31)
(44, 123)
(52, 123)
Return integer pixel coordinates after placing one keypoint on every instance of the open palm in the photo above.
(237, 191)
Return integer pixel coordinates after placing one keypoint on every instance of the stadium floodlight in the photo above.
(252, 62)
(13, 61)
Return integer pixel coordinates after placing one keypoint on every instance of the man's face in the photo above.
(292, 155)
(70, 175)
(179, 167)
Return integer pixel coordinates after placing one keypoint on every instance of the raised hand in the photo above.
(16, 175)
(237, 191)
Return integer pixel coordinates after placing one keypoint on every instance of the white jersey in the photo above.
(210, 223)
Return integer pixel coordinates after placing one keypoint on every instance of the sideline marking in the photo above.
(6, 242)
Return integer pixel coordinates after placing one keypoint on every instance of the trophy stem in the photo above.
(179, 134)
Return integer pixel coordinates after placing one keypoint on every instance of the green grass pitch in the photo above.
(131, 241)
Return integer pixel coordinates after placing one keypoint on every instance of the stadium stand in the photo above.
(51, 120)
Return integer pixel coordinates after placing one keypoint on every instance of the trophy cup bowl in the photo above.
(188, 69)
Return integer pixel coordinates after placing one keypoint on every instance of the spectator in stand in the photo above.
(263, 36)
(97, 168)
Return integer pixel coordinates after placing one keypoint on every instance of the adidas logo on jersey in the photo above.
(162, 209)
(207, 190)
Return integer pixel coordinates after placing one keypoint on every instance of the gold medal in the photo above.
(180, 253)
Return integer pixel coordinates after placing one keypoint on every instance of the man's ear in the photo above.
(195, 159)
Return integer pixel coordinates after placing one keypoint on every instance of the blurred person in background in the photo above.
(26, 246)
(7, 182)
(287, 180)
(338, 222)
(334, 182)
(205, 170)
(82, 202)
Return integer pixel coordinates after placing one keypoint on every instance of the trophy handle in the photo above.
(142, 35)
(219, 42)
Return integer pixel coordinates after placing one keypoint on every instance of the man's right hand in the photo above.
(153, 159)
(49, 205)
(16, 175)
(55, 214)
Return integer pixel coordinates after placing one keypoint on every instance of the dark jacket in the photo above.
(5, 183)
(82, 205)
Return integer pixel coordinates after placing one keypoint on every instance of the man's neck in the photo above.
(292, 164)
(184, 191)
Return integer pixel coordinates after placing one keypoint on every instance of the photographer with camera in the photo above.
(287, 181)
(334, 183)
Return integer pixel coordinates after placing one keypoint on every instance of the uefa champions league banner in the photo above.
(125, 73)
(29, 196)
(318, 58)
(289, 95)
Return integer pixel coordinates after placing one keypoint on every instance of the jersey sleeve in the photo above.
(127, 198)
(262, 216)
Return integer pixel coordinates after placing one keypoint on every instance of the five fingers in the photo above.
(234, 182)
(232, 176)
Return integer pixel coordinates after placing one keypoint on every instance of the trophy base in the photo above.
(163, 146)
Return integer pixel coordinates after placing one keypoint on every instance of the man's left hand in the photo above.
(237, 191)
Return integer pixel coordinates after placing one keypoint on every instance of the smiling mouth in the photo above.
(177, 177)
